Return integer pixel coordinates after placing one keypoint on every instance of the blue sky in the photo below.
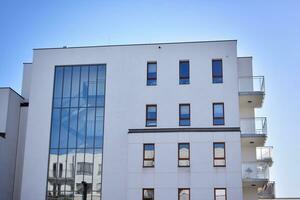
(267, 30)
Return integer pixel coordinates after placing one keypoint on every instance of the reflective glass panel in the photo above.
(76, 137)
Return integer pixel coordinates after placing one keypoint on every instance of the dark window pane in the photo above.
(75, 86)
(67, 86)
(151, 73)
(55, 128)
(218, 114)
(92, 86)
(81, 128)
(184, 194)
(99, 127)
(148, 194)
(58, 85)
(184, 115)
(64, 127)
(101, 85)
(184, 72)
(217, 71)
(84, 86)
(151, 115)
(73, 127)
(90, 128)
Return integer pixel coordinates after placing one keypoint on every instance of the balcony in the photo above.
(253, 131)
(251, 90)
(255, 174)
(264, 154)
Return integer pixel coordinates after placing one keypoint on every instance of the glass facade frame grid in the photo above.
(60, 149)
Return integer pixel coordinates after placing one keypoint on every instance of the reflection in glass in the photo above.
(218, 114)
(219, 154)
(148, 155)
(184, 72)
(76, 137)
(184, 194)
(183, 154)
(217, 71)
(220, 194)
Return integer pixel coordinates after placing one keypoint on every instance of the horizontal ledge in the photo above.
(169, 130)
(2, 134)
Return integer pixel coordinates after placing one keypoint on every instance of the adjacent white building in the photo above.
(147, 121)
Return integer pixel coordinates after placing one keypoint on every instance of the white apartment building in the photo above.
(161, 121)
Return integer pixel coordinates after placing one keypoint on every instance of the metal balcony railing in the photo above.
(257, 125)
(264, 153)
(251, 84)
(255, 170)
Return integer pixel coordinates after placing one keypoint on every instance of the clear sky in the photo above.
(267, 30)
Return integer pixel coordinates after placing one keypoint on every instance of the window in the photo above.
(184, 194)
(184, 72)
(76, 132)
(183, 155)
(219, 154)
(84, 168)
(217, 71)
(220, 194)
(149, 153)
(148, 194)
(151, 115)
(151, 73)
(184, 115)
(218, 114)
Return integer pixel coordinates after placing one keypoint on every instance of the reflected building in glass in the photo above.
(76, 143)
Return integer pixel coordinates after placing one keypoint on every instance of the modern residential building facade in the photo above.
(146, 121)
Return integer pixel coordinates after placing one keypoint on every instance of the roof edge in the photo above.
(9, 88)
(135, 44)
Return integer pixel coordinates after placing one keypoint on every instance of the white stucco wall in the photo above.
(10, 112)
(126, 97)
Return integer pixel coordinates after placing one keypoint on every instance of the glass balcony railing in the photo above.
(264, 153)
(251, 84)
(257, 125)
(255, 170)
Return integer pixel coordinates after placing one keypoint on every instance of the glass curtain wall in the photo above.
(76, 138)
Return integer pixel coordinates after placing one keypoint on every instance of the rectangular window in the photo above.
(151, 115)
(219, 154)
(183, 154)
(218, 114)
(184, 72)
(151, 73)
(149, 154)
(184, 115)
(148, 194)
(220, 194)
(217, 71)
(184, 194)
